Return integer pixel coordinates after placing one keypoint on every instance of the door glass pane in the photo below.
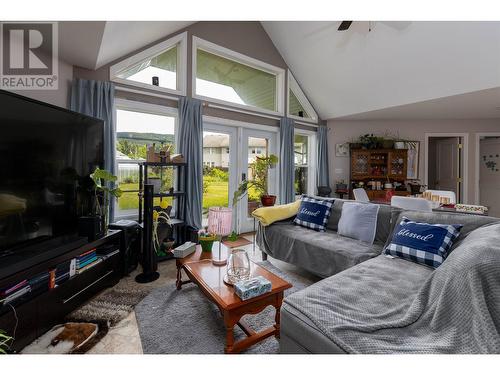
(257, 147)
(301, 152)
(216, 147)
(134, 132)
(231, 81)
(162, 66)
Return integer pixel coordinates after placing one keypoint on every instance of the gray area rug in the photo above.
(186, 322)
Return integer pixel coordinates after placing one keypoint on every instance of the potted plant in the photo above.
(4, 342)
(162, 228)
(206, 240)
(103, 190)
(260, 171)
(369, 141)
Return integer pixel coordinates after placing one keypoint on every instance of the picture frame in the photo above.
(342, 149)
(413, 160)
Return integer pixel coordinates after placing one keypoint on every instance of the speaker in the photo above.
(130, 244)
(91, 227)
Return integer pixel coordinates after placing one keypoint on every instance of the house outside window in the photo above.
(138, 126)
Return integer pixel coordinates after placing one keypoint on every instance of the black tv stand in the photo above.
(36, 314)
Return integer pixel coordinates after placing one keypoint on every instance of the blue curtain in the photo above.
(191, 146)
(97, 99)
(323, 174)
(287, 161)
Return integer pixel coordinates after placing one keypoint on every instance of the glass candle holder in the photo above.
(238, 266)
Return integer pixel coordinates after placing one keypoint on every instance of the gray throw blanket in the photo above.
(395, 306)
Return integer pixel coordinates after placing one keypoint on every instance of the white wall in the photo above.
(346, 131)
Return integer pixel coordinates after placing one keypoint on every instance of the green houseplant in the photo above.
(260, 172)
(104, 189)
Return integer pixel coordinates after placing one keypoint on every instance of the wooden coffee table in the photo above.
(209, 278)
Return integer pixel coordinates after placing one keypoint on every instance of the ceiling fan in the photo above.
(398, 25)
(344, 25)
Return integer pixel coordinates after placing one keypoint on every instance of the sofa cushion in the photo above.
(322, 253)
(358, 221)
(384, 226)
(422, 242)
(468, 222)
(313, 213)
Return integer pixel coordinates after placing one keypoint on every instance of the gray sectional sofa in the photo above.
(371, 303)
(322, 253)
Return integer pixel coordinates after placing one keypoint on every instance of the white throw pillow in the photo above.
(358, 221)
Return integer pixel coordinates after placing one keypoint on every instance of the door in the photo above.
(220, 148)
(254, 144)
(448, 165)
(489, 174)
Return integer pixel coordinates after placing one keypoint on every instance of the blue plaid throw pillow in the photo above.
(314, 213)
(423, 243)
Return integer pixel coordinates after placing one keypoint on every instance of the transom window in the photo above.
(222, 75)
(161, 67)
(299, 107)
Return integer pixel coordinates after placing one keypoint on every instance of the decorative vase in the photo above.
(268, 200)
(238, 266)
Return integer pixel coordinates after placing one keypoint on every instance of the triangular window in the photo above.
(159, 67)
(298, 105)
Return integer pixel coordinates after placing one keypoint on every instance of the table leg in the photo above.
(229, 336)
(178, 282)
(277, 317)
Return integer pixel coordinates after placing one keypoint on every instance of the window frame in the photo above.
(311, 157)
(181, 41)
(147, 108)
(240, 58)
(301, 97)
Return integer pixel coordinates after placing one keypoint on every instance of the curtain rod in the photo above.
(240, 111)
(147, 93)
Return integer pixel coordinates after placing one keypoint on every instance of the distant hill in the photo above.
(145, 138)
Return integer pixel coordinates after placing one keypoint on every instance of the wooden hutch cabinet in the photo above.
(374, 167)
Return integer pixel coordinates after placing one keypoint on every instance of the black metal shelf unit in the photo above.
(178, 195)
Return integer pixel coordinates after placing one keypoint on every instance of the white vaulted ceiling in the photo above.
(90, 44)
(397, 64)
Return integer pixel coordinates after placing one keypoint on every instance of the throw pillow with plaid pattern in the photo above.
(423, 243)
(314, 213)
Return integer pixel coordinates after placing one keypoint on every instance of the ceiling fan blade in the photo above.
(344, 25)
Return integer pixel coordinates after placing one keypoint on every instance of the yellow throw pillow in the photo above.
(268, 215)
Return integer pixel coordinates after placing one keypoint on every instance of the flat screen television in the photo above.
(46, 156)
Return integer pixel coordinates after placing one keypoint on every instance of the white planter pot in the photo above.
(399, 145)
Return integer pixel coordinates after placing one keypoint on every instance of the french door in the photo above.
(253, 144)
(220, 149)
(228, 154)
